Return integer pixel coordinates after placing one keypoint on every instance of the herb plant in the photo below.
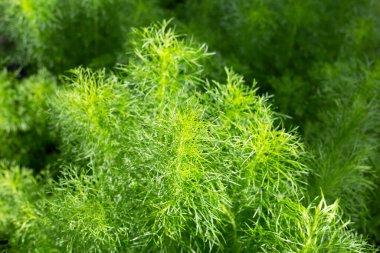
(156, 158)
(319, 59)
(169, 150)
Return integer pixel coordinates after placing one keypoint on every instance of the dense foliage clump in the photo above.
(116, 139)
(63, 34)
(345, 137)
(320, 60)
(24, 132)
(280, 43)
(156, 159)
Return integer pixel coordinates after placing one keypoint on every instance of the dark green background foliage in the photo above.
(63, 34)
(280, 42)
(118, 138)
(24, 132)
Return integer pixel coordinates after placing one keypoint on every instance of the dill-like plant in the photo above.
(156, 159)
(302, 52)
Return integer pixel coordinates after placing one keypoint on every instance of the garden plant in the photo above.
(237, 126)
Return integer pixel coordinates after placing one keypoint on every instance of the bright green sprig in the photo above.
(19, 191)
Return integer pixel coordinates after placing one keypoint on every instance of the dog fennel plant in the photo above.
(155, 159)
(320, 59)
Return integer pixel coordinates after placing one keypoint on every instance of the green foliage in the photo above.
(290, 47)
(345, 137)
(279, 42)
(159, 160)
(24, 131)
(60, 35)
(155, 157)
(317, 228)
(18, 192)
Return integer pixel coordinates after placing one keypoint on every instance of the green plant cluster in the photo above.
(60, 35)
(280, 43)
(25, 135)
(345, 138)
(320, 60)
(165, 167)
(122, 139)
